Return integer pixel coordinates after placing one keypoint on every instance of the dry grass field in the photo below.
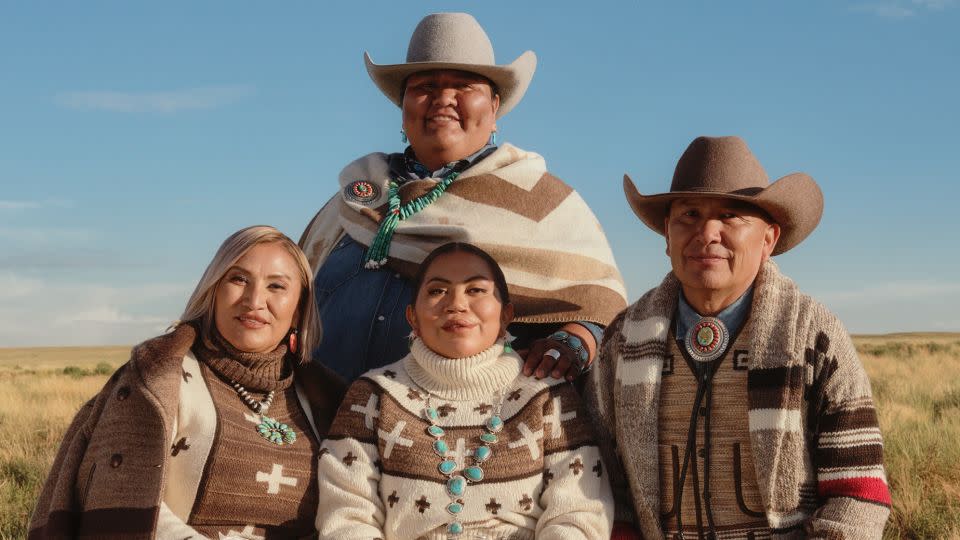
(916, 383)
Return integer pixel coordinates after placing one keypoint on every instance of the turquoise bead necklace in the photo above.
(458, 480)
(376, 255)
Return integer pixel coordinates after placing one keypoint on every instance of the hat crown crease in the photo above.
(721, 165)
(450, 37)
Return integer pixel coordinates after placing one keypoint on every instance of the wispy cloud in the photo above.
(892, 291)
(886, 11)
(209, 97)
(898, 306)
(44, 235)
(903, 9)
(44, 312)
(32, 205)
(18, 205)
(935, 5)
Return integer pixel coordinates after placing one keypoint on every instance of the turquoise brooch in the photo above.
(276, 432)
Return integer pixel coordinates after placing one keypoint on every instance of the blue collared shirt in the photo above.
(732, 316)
(362, 311)
(405, 166)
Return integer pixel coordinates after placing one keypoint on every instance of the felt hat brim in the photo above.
(511, 80)
(794, 201)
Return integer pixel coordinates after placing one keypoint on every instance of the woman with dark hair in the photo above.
(455, 183)
(211, 430)
(451, 441)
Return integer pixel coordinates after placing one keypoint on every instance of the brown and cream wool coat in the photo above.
(812, 423)
(114, 464)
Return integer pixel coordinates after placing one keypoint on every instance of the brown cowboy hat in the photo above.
(724, 167)
(454, 41)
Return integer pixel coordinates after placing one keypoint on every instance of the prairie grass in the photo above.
(915, 378)
(916, 386)
(35, 409)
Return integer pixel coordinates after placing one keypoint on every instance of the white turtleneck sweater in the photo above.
(378, 471)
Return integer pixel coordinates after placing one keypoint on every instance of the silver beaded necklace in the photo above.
(276, 432)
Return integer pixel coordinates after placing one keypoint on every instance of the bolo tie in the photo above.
(705, 342)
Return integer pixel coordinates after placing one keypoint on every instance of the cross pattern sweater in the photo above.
(113, 471)
(545, 478)
(225, 478)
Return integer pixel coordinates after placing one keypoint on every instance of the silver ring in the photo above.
(553, 353)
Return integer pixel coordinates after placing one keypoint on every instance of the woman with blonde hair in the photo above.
(211, 430)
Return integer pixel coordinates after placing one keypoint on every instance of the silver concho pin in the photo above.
(707, 339)
(361, 191)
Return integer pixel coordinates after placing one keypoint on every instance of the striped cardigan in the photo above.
(817, 447)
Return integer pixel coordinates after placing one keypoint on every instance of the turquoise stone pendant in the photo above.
(456, 486)
(481, 454)
(275, 432)
(447, 467)
(458, 475)
(473, 473)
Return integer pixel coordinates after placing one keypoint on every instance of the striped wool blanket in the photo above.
(812, 423)
(551, 247)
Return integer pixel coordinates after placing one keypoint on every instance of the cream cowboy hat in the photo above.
(725, 167)
(454, 41)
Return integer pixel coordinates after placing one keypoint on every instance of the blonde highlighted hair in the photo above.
(200, 306)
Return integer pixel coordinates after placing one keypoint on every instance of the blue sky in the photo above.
(135, 137)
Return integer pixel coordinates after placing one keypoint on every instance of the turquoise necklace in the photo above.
(458, 480)
(272, 430)
(376, 255)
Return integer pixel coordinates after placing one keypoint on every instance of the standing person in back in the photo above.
(454, 182)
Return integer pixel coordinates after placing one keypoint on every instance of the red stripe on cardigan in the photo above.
(862, 488)
(624, 531)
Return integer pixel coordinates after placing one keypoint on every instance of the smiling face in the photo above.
(716, 247)
(256, 300)
(458, 311)
(448, 115)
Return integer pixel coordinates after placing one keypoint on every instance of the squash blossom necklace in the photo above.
(458, 480)
(376, 255)
(268, 428)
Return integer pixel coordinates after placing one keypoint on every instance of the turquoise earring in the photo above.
(493, 138)
(403, 136)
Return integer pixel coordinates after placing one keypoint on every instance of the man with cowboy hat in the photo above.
(729, 404)
(455, 183)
